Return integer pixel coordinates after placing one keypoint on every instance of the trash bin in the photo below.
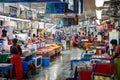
(45, 61)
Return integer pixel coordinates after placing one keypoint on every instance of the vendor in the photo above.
(4, 32)
(116, 57)
(15, 51)
(34, 38)
(92, 37)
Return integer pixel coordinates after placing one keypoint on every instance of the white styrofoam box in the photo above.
(30, 46)
(43, 44)
(84, 40)
(38, 45)
(35, 46)
(38, 61)
(25, 51)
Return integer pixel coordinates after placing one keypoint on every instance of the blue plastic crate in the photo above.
(1, 41)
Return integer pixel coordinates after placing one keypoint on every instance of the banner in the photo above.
(80, 7)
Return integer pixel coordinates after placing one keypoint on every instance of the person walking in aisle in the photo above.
(68, 40)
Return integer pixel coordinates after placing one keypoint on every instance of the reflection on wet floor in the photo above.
(60, 68)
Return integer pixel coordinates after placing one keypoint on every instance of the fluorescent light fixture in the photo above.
(19, 19)
(99, 14)
(98, 22)
(11, 18)
(1, 19)
(1, 16)
(99, 3)
(106, 0)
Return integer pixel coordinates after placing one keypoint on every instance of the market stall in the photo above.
(51, 50)
(92, 61)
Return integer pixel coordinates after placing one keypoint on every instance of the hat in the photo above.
(15, 40)
(113, 41)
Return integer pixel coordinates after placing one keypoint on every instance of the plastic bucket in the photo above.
(45, 62)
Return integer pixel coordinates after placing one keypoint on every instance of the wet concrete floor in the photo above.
(59, 69)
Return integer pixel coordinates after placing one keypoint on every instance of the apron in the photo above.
(117, 67)
(16, 61)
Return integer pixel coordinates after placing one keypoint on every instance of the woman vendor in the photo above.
(15, 51)
(116, 57)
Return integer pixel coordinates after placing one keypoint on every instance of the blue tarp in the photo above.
(6, 67)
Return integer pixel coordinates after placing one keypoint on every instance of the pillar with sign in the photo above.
(114, 35)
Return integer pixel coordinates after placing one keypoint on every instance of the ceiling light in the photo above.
(11, 18)
(99, 3)
(18, 19)
(106, 0)
(99, 14)
(1, 16)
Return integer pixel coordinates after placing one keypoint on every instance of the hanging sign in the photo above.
(56, 8)
(29, 0)
(99, 38)
(114, 35)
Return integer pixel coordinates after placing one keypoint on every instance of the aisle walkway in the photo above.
(60, 68)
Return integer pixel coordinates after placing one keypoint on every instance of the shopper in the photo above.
(83, 36)
(116, 57)
(57, 37)
(68, 40)
(74, 41)
(79, 42)
(15, 51)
